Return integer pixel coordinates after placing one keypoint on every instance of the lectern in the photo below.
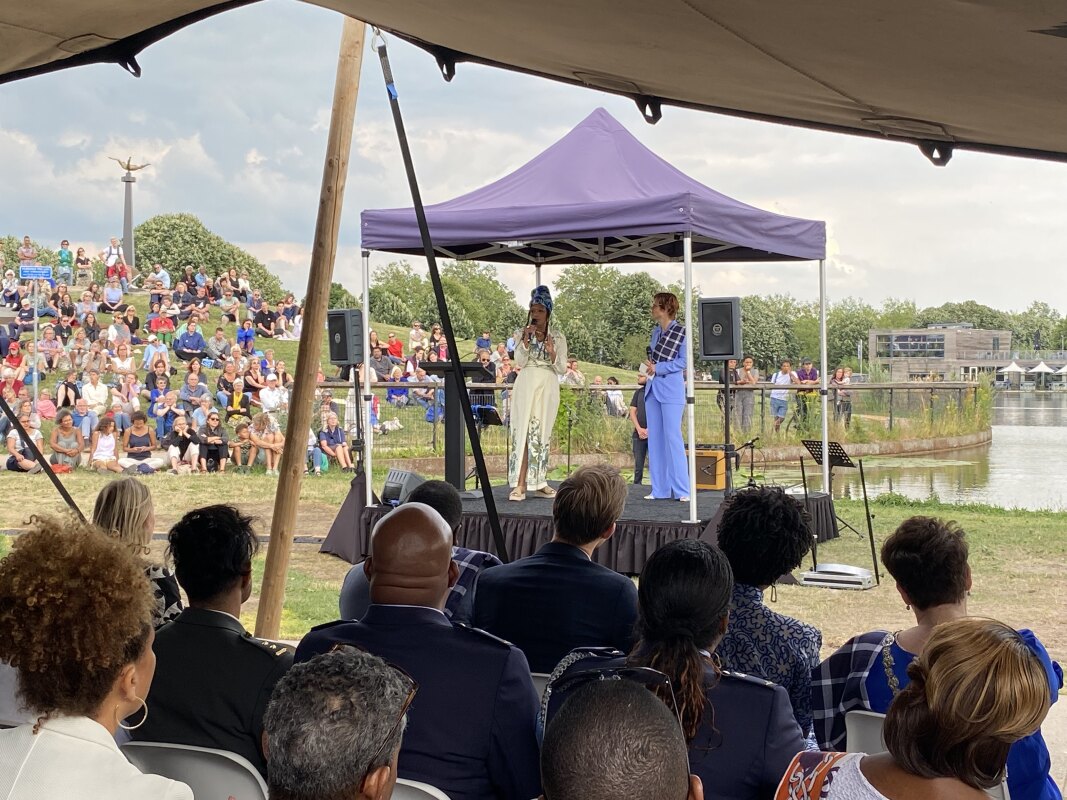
(455, 430)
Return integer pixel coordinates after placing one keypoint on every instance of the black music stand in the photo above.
(484, 417)
(839, 458)
(455, 430)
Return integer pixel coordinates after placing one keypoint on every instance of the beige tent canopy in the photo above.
(982, 75)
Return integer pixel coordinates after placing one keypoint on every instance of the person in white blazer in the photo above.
(76, 623)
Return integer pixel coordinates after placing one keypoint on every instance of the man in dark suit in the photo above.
(558, 598)
(472, 727)
(213, 679)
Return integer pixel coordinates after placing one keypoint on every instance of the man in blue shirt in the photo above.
(190, 344)
(161, 275)
(84, 419)
(483, 342)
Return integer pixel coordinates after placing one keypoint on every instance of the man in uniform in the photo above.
(471, 729)
(213, 679)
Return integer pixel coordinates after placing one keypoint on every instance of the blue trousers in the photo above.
(667, 465)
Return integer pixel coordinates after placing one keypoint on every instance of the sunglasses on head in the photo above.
(413, 688)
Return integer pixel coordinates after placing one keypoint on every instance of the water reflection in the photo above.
(1025, 466)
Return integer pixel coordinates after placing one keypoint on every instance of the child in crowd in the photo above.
(45, 408)
(104, 456)
(242, 451)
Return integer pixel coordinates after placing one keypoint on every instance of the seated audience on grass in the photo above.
(155, 351)
(15, 360)
(96, 393)
(255, 380)
(296, 327)
(36, 366)
(66, 441)
(765, 533)
(112, 297)
(91, 327)
(10, 382)
(927, 558)
(162, 325)
(214, 444)
(191, 392)
(229, 306)
(333, 445)
(443, 498)
(246, 337)
(45, 408)
(242, 451)
(236, 402)
(85, 419)
(614, 739)
(334, 727)
(975, 692)
(395, 349)
(273, 399)
(285, 380)
(118, 331)
(531, 602)
(122, 363)
(381, 364)
(68, 391)
(183, 447)
(213, 680)
(205, 405)
(139, 443)
(740, 729)
(124, 509)
(165, 409)
(51, 349)
(264, 322)
(24, 318)
(190, 344)
(268, 439)
(314, 454)
(224, 383)
(103, 447)
(121, 418)
(10, 289)
(133, 324)
(462, 673)
(96, 359)
(20, 457)
(128, 393)
(218, 347)
(66, 589)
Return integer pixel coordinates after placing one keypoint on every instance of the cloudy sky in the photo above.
(233, 114)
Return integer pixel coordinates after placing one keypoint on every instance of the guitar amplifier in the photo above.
(711, 465)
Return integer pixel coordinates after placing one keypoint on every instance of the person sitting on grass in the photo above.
(45, 408)
(314, 453)
(333, 444)
(104, 457)
(205, 407)
(139, 442)
(246, 337)
(166, 408)
(96, 394)
(20, 456)
(268, 439)
(214, 444)
(242, 451)
(162, 325)
(190, 344)
(155, 351)
(183, 448)
(66, 441)
(191, 392)
(237, 403)
(85, 419)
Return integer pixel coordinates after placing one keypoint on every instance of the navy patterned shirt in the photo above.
(772, 646)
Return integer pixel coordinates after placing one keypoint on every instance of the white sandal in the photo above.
(516, 495)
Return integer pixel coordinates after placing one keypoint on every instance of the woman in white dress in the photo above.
(541, 356)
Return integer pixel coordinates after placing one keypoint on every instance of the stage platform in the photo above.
(645, 525)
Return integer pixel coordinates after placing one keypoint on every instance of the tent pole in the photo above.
(823, 393)
(323, 253)
(368, 398)
(537, 274)
(690, 376)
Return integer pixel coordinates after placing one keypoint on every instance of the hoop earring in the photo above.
(144, 719)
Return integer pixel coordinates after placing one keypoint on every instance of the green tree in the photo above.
(896, 313)
(1036, 327)
(766, 331)
(340, 297)
(488, 303)
(175, 240)
(9, 247)
(979, 315)
(847, 322)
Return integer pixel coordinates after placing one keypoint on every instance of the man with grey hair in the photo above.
(334, 726)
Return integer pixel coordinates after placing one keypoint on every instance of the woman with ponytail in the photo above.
(740, 730)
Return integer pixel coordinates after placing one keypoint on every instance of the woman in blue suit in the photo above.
(665, 401)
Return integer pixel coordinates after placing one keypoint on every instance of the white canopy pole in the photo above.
(822, 378)
(690, 376)
(537, 274)
(368, 431)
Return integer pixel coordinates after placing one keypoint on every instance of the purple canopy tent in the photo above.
(598, 195)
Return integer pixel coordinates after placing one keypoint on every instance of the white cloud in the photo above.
(254, 157)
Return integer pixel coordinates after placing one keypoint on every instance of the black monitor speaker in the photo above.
(399, 483)
(344, 329)
(720, 328)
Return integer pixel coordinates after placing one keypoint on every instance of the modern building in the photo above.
(940, 352)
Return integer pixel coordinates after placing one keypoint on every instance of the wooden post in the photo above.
(324, 250)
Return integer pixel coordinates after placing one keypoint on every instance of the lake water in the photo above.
(1025, 466)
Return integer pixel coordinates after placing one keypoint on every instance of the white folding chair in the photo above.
(209, 773)
(864, 732)
(540, 682)
(415, 790)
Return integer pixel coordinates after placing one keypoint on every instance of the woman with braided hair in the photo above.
(740, 730)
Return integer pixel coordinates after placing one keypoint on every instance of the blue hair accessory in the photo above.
(542, 297)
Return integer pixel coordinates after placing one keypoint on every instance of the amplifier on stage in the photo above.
(711, 466)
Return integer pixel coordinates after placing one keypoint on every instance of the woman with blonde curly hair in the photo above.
(124, 509)
(975, 690)
(76, 624)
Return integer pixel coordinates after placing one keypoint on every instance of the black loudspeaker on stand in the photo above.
(344, 330)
